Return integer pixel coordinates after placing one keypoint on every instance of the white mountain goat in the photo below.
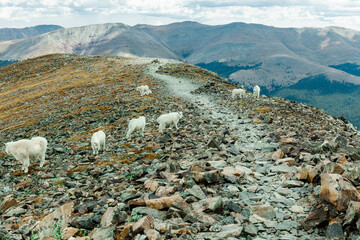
(168, 119)
(136, 124)
(238, 93)
(24, 150)
(257, 91)
(144, 90)
(98, 141)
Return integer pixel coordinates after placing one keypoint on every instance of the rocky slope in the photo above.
(21, 33)
(262, 168)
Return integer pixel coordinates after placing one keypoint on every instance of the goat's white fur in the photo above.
(24, 150)
(98, 140)
(256, 91)
(168, 119)
(144, 90)
(136, 124)
(238, 93)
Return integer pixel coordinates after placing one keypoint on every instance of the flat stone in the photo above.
(265, 211)
(233, 188)
(104, 233)
(286, 225)
(47, 175)
(128, 196)
(316, 218)
(307, 173)
(251, 229)
(83, 222)
(352, 212)
(329, 146)
(208, 177)
(7, 203)
(293, 183)
(234, 151)
(182, 205)
(232, 206)
(257, 121)
(231, 230)
(197, 192)
(287, 161)
(257, 219)
(282, 169)
(59, 217)
(214, 144)
(253, 188)
(218, 164)
(59, 148)
(125, 234)
(241, 170)
(270, 224)
(14, 212)
(338, 191)
(163, 191)
(211, 204)
(143, 224)
(289, 140)
(150, 184)
(334, 230)
(161, 203)
(277, 155)
(69, 232)
(281, 199)
(152, 234)
(297, 209)
(146, 211)
(113, 216)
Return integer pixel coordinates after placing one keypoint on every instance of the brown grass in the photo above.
(76, 169)
(37, 87)
(262, 110)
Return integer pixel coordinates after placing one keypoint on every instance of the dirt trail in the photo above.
(250, 135)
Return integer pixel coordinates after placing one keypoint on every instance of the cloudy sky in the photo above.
(278, 13)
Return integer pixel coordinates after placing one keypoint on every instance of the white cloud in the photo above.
(279, 13)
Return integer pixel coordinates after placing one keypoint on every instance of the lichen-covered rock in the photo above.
(338, 191)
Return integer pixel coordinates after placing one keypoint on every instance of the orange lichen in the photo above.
(77, 169)
(22, 185)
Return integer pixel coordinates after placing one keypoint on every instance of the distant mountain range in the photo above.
(21, 33)
(249, 54)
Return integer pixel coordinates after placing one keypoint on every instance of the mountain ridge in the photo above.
(21, 33)
(240, 168)
(312, 49)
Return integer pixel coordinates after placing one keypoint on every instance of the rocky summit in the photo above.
(249, 168)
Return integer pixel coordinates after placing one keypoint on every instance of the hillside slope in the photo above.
(234, 168)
